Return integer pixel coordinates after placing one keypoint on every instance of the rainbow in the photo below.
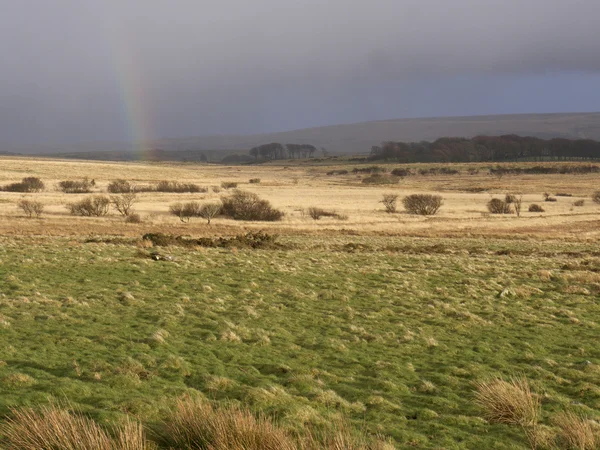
(129, 82)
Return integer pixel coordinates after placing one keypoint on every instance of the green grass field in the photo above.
(390, 333)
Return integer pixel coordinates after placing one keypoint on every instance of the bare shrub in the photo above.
(31, 207)
(120, 187)
(518, 204)
(229, 185)
(389, 201)
(27, 184)
(76, 187)
(510, 402)
(185, 211)
(124, 203)
(243, 205)
(534, 207)
(90, 206)
(596, 197)
(177, 187)
(210, 210)
(254, 180)
(509, 198)
(51, 427)
(423, 204)
(576, 432)
(133, 218)
(499, 206)
(579, 202)
(548, 198)
(316, 213)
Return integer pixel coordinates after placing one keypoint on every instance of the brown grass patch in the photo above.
(510, 402)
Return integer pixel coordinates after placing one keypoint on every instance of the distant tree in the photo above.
(124, 203)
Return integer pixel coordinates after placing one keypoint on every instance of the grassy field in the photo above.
(385, 320)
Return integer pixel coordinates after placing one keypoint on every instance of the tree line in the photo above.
(275, 150)
(487, 148)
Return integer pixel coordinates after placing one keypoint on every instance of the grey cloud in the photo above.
(208, 65)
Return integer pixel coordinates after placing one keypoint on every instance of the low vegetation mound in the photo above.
(254, 240)
(27, 184)
(120, 187)
(423, 204)
(316, 213)
(534, 207)
(178, 187)
(244, 205)
(76, 187)
(96, 205)
(499, 206)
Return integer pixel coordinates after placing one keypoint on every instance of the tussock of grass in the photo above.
(510, 402)
(51, 427)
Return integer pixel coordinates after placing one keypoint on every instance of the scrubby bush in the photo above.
(90, 206)
(422, 204)
(548, 198)
(27, 184)
(76, 187)
(185, 211)
(229, 184)
(254, 180)
(338, 172)
(580, 202)
(510, 198)
(596, 197)
(124, 203)
(316, 213)
(499, 206)
(401, 172)
(378, 178)
(31, 207)
(534, 207)
(177, 187)
(243, 205)
(133, 218)
(210, 210)
(389, 201)
(120, 187)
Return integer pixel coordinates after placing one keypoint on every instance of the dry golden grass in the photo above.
(51, 427)
(294, 189)
(576, 432)
(510, 402)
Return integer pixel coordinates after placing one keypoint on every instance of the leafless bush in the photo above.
(133, 218)
(76, 187)
(579, 202)
(499, 206)
(596, 197)
(423, 204)
(177, 187)
(254, 180)
(316, 213)
(243, 205)
(185, 211)
(31, 207)
(510, 198)
(389, 201)
(90, 206)
(517, 202)
(27, 184)
(229, 184)
(210, 210)
(124, 203)
(120, 187)
(548, 198)
(534, 207)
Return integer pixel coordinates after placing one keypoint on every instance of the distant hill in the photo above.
(359, 137)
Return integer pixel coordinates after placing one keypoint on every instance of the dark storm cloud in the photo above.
(70, 69)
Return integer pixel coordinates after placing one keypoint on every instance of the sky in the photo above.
(107, 70)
